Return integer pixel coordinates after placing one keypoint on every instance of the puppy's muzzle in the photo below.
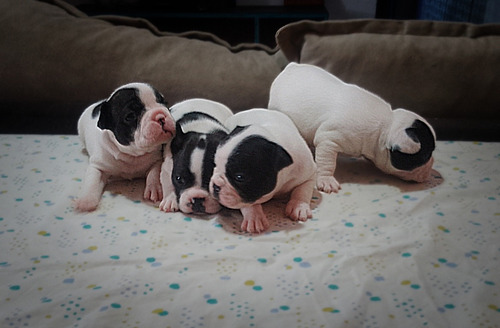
(162, 120)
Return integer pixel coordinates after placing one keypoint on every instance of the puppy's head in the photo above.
(246, 169)
(137, 116)
(193, 157)
(410, 143)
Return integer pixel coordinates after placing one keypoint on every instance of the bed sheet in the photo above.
(380, 253)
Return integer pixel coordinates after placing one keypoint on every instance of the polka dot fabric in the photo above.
(380, 253)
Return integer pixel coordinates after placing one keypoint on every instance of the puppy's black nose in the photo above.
(197, 205)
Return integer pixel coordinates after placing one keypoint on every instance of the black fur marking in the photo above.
(213, 141)
(121, 114)
(202, 144)
(418, 132)
(183, 145)
(252, 167)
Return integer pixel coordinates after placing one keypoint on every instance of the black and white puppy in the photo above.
(263, 157)
(187, 169)
(123, 136)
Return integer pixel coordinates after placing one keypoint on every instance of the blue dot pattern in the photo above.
(380, 253)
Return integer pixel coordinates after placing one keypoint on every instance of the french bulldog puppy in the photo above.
(123, 136)
(336, 117)
(263, 157)
(189, 161)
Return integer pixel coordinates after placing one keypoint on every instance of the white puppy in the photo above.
(263, 157)
(123, 136)
(336, 117)
(189, 159)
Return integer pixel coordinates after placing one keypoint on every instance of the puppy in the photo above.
(336, 117)
(123, 136)
(189, 161)
(263, 157)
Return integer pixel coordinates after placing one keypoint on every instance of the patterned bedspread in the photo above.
(380, 253)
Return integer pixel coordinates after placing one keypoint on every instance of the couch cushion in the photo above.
(53, 56)
(438, 69)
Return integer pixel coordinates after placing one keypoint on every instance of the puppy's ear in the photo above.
(233, 133)
(178, 140)
(237, 130)
(159, 98)
(105, 116)
(419, 133)
(97, 109)
(257, 151)
(281, 158)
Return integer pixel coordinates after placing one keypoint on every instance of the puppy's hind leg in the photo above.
(326, 159)
(93, 186)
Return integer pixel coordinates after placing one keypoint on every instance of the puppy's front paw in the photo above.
(255, 225)
(169, 203)
(327, 184)
(153, 192)
(298, 210)
(86, 204)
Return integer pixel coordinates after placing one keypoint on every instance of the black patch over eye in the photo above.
(131, 117)
(252, 167)
(114, 114)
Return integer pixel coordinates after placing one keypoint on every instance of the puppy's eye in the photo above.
(179, 180)
(239, 177)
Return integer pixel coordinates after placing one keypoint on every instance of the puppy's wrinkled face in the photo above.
(137, 116)
(193, 157)
(247, 169)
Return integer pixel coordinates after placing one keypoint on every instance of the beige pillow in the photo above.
(437, 69)
(53, 56)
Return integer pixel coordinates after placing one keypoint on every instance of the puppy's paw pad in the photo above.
(328, 184)
(298, 211)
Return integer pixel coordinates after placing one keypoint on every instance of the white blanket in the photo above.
(380, 253)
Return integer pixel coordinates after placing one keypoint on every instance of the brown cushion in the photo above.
(437, 69)
(54, 56)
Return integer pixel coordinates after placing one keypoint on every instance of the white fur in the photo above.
(296, 180)
(212, 108)
(110, 159)
(336, 117)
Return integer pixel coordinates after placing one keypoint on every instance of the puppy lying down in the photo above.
(263, 157)
(189, 159)
(336, 117)
(123, 136)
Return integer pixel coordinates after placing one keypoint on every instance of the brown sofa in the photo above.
(55, 61)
